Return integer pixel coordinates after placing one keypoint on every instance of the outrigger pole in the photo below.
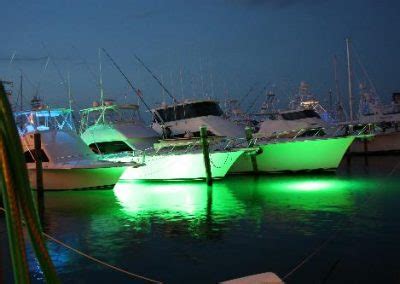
(132, 86)
(155, 77)
(349, 74)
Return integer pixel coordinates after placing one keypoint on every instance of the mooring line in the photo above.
(133, 275)
(336, 233)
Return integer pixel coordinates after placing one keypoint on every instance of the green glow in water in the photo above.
(186, 200)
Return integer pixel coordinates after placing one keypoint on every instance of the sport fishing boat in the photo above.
(110, 128)
(185, 119)
(182, 159)
(67, 161)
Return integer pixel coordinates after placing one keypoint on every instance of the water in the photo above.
(188, 233)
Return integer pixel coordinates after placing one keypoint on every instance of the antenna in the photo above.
(69, 90)
(349, 79)
(137, 91)
(101, 79)
(181, 81)
(155, 77)
(20, 92)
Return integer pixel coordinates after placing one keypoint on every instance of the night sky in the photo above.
(198, 48)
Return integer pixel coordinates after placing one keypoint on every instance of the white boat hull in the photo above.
(77, 178)
(182, 166)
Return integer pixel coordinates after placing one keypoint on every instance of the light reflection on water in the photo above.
(179, 231)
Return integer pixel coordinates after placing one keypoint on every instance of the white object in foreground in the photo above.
(262, 278)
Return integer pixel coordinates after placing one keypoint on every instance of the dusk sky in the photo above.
(221, 48)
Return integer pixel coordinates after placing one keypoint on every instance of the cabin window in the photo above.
(30, 156)
(190, 110)
(110, 147)
(300, 115)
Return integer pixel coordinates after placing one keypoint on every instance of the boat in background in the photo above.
(110, 128)
(185, 119)
(67, 161)
(379, 123)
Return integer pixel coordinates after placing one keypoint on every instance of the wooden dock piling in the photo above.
(39, 173)
(206, 154)
(249, 138)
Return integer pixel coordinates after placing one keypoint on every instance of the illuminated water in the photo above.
(186, 233)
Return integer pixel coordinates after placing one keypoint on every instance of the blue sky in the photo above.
(221, 48)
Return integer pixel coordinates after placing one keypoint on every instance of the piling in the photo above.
(249, 139)
(206, 154)
(39, 173)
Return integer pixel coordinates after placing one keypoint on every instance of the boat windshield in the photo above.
(109, 114)
(189, 110)
(41, 120)
(308, 113)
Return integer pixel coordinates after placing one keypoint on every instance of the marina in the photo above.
(233, 142)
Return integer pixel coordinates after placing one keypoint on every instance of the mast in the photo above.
(69, 90)
(20, 93)
(349, 79)
(101, 80)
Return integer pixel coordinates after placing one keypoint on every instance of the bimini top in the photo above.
(187, 109)
(44, 119)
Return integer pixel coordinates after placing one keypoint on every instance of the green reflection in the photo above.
(166, 200)
(306, 193)
(298, 202)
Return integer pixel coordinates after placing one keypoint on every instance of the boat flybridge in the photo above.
(67, 161)
(185, 119)
(112, 128)
(292, 123)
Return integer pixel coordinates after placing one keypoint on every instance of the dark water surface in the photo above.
(188, 233)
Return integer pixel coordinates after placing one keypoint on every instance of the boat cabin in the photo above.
(186, 110)
(300, 114)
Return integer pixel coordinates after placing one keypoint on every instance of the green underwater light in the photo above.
(311, 185)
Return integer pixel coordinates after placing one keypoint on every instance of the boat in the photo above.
(377, 123)
(68, 163)
(184, 120)
(182, 159)
(295, 140)
(110, 128)
(301, 154)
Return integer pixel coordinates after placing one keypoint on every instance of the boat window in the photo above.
(110, 147)
(189, 110)
(32, 154)
(300, 114)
